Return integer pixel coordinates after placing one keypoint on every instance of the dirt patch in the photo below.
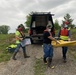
(25, 66)
(61, 68)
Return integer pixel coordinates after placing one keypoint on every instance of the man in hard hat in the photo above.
(19, 38)
(65, 35)
(47, 47)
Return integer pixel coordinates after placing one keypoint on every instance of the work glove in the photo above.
(69, 39)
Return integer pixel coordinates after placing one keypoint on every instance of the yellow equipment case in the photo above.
(64, 43)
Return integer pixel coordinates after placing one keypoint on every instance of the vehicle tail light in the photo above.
(30, 32)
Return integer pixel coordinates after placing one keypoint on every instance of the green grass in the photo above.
(6, 36)
(5, 41)
(73, 30)
(5, 57)
(40, 67)
(72, 50)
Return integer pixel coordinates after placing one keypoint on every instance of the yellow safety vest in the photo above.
(19, 35)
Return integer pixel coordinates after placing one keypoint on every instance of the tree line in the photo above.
(4, 29)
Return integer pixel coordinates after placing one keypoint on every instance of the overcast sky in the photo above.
(14, 12)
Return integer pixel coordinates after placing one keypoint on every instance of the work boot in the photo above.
(49, 61)
(44, 59)
(25, 55)
(14, 56)
(64, 59)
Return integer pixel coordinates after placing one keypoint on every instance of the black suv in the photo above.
(38, 24)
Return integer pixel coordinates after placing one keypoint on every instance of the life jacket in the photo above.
(64, 34)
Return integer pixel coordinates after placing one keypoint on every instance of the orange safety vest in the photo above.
(64, 34)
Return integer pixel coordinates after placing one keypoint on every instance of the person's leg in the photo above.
(50, 55)
(45, 49)
(64, 52)
(24, 52)
(15, 52)
(51, 51)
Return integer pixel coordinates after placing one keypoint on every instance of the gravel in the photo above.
(25, 66)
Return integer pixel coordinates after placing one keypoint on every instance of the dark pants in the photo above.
(64, 51)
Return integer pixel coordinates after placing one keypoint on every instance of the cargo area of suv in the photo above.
(38, 24)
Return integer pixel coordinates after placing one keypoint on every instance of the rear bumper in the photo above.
(36, 37)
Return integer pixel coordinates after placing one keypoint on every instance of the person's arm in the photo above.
(22, 34)
(69, 35)
(59, 33)
(53, 39)
(17, 36)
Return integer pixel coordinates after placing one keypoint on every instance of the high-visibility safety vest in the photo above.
(64, 33)
(19, 35)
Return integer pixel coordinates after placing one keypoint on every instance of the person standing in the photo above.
(47, 46)
(65, 35)
(19, 38)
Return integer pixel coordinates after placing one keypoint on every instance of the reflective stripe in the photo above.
(64, 37)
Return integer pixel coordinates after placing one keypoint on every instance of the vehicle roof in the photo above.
(41, 13)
